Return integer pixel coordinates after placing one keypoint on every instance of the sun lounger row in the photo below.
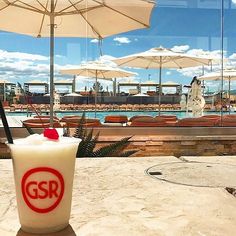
(91, 107)
(99, 107)
(135, 121)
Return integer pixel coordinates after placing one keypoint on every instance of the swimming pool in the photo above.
(102, 114)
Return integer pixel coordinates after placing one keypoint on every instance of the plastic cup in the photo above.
(44, 173)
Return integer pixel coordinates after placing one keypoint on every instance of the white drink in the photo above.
(44, 171)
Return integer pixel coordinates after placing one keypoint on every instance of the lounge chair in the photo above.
(228, 121)
(169, 119)
(74, 123)
(196, 122)
(139, 116)
(41, 123)
(46, 116)
(148, 122)
(116, 119)
(72, 118)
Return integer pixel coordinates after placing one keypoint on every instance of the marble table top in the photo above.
(116, 197)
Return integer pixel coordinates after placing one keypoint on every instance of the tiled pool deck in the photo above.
(115, 197)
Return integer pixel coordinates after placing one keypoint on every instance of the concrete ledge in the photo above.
(114, 196)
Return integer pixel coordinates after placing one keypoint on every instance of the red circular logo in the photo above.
(42, 189)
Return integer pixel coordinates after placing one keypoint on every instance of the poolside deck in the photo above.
(114, 196)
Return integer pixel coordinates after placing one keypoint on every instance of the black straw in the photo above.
(5, 124)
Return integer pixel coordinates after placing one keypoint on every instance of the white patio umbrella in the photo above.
(141, 95)
(98, 70)
(72, 95)
(229, 74)
(73, 18)
(161, 58)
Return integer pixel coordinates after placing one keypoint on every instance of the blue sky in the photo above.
(191, 27)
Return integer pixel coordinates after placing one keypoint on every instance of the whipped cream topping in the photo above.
(39, 139)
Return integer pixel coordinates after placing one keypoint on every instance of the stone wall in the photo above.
(181, 147)
(160, 142)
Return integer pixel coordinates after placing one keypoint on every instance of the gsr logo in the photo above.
(42, 189)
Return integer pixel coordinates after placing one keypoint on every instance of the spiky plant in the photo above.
(88, 143)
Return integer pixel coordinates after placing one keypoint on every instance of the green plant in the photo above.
(87, 146)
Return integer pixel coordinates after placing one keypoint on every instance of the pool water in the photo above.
(102, 114)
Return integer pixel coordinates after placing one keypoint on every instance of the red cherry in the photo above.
(51, 133)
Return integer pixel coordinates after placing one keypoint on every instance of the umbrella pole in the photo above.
(160, 88)
(229, 92)
(96, 88)
(51, 62)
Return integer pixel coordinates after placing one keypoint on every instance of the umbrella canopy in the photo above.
(98, 70)
(162, 58)
(72, 95)
(229, 74)
(73, 18)
(141, 95)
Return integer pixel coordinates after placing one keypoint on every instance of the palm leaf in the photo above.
(110, 149)
(93, 143)
(80, 132)
(86, 146)
(127, 153)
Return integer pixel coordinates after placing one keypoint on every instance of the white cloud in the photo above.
(94, 41)
(198, 71)
(168, 73)
(107, 59)
(181, 48)
(22, 67)
(190, 72)
(234, 1)
(122, 40)
(233, 56)
(21, 56)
